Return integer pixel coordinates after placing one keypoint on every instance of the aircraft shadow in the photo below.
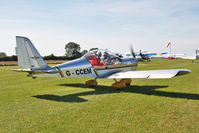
(100, 89)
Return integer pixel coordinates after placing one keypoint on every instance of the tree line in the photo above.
(72, 51)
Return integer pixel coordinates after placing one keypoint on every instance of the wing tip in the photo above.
(183, 72)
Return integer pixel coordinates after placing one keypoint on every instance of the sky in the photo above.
(148, 25)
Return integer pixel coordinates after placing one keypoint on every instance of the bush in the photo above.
(49, 57)
(9, 58)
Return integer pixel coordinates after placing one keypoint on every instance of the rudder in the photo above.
(27, 54)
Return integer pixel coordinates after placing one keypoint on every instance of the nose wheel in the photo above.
(91, 83)
(126, 81)
(119, 85)
(122, 83)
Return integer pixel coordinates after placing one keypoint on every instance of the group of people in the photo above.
(104, 58)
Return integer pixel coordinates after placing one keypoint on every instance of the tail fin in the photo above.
(27, 54)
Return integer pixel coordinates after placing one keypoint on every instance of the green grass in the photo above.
(66, 105)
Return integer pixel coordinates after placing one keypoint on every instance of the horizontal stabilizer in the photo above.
(36, 71)
(21, 70)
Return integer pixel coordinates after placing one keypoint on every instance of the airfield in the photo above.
(68, 105)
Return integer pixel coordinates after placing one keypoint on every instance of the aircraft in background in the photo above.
(179, 56)
(95, 64)
(197, 54)
(146, 56)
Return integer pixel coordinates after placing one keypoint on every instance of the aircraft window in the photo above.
(102, 57)
(94, 60)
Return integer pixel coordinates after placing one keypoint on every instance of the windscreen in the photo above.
(102, 57)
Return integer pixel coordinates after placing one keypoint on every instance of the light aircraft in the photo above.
(197, 54)
(146, 56)
(176, 56)
(143, 56)
(95, 64)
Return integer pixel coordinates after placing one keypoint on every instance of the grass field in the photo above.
(66, 105)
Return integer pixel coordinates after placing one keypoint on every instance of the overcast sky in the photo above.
(114, 24)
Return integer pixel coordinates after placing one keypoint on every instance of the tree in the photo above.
(72, 50)
(50, 57)
(84, 52)
(3, 54)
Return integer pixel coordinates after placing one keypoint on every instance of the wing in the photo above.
(150, 74)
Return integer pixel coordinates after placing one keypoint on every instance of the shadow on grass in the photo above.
(100, 89)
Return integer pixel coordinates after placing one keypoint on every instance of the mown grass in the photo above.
(67, 105)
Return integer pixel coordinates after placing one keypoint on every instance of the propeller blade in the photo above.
(132, 51)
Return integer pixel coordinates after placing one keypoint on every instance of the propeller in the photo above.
(132, 51)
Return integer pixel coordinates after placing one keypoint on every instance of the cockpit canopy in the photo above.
(102, 57)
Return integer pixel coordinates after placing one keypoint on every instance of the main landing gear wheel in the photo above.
(91, 83)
